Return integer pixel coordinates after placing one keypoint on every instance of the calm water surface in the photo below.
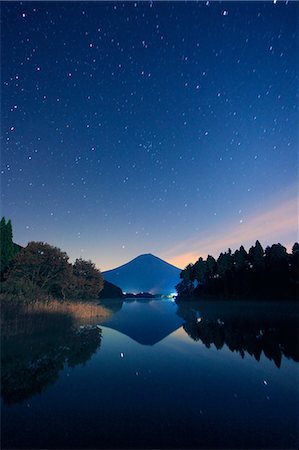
(150, 374)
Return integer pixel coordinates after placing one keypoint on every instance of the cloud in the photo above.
(277, 224)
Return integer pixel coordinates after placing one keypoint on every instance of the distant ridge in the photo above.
(145, 273)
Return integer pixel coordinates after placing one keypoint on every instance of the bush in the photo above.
(87, 280)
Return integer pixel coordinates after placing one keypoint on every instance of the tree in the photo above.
(276, 256)
(9, 241)
(188, 273)
(40, 266)
(224, 263)
(186, 286)
(200, 270)
(2, 243)
(211, 266)
(87, 280)
(295, 248)
(240, 258)
(7, 249)
(277, 263)
(295, 266)
(256, 256)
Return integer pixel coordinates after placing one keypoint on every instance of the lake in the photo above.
(150, 374)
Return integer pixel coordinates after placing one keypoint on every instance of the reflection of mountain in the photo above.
(273, 332)
(145, 321)
(38, 340)
(146, 273)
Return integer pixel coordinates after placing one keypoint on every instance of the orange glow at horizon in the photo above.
(279, 224)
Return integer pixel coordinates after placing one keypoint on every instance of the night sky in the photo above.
(167, 127)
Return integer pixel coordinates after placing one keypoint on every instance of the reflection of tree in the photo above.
(31, 360)
(274, 336)
(84, 343)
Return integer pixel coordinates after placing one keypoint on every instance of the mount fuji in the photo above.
(145, 273)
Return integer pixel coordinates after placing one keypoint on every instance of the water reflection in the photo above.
(39, 340)
(245, 327)
(145, 321)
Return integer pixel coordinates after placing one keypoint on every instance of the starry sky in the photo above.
(150, 127)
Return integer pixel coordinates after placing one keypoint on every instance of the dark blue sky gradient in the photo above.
(130, 128)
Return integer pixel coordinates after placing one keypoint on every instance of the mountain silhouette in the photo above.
(145, 273)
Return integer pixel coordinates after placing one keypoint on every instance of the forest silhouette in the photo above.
(257, 273)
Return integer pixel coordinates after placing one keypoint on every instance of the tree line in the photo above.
(40, 270)
(257, 273)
